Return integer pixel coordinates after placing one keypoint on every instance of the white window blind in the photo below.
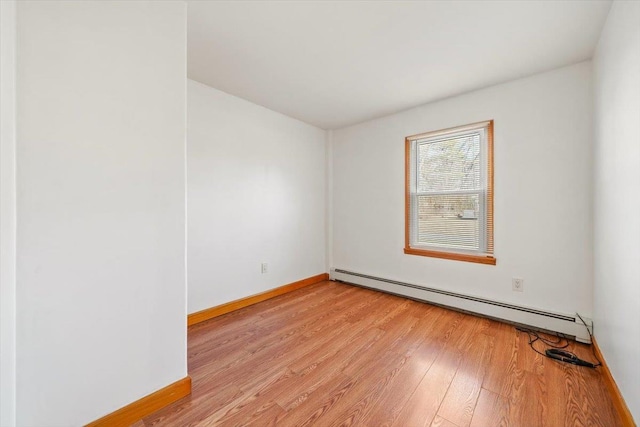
(450, 190)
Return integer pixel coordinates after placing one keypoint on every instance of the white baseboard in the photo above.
(567, 324)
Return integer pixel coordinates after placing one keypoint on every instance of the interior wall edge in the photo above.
(8, 20)
(219, 310)
(146, 405)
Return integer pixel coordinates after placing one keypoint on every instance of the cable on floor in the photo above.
(593, 349)
(555, 348)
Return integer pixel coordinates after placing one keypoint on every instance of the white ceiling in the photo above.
(333, 64)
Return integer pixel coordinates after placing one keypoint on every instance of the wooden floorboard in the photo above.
(332, 354)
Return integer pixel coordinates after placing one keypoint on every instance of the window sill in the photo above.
(481, 259)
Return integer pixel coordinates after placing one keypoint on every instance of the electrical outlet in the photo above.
(517, 284)
(265, 268)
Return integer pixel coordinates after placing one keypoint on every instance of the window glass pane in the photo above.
(449, 164)
(449, 221)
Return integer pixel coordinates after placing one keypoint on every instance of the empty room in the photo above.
(320, 213)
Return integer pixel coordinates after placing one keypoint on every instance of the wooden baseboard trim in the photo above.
(219, 310)
(147, 405)
(614, 391)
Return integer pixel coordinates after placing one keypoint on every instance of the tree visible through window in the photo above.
(449, 193)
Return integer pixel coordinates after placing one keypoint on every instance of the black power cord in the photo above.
(593, 350)
(534, 336)
(556, 350)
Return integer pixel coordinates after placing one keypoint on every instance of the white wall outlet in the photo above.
(264, 268)
(517, 284)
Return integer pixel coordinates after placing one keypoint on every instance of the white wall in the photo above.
(543, 222)
(7, 214)
(101, 195)
(328, 224)
(617, 198)
(256, 193)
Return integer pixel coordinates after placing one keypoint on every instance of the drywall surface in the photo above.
(617, 198)
(337, 63)
(7, 214)
(101, 198)
(329, 200)
(256, 193)
(543, 223)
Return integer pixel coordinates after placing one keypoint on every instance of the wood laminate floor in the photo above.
(337, 355)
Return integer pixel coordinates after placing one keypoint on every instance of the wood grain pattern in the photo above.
(614, 391)
(219, 310)
(134, 412)
(462, 395)
(481, 259)
(491, 410)
(438, 421)
(332, 354)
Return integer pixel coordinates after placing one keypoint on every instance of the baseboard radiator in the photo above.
(567, 324)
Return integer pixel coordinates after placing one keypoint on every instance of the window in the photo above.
(449, 194)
